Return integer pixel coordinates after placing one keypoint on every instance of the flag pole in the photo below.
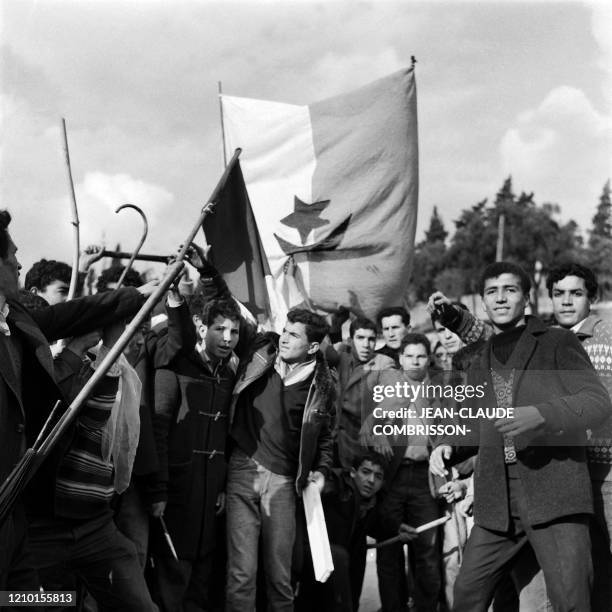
(74, 276)
(220, 89)
(33, 457)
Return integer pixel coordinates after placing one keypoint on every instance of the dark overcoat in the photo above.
(554, 374)
(190, 424)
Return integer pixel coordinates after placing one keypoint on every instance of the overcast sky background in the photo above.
(521, 88)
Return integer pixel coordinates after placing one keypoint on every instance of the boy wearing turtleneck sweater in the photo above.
(532, 483)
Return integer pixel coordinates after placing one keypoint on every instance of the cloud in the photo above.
(98, 195)
(335, 73)
(560, 150)
(601, 26)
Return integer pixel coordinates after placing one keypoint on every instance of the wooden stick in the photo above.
(139, 256)
(419, 529)
(74, 277)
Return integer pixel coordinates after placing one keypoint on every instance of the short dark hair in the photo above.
(316, 326)
(391, 311)
(227, 308)
(5, 219)
(415, 339)
(573, 269)
(361, 323)
(113, 274)
(371, 456)
(505, 267)
(45, 272)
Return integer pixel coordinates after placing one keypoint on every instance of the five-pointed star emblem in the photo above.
(306, 217)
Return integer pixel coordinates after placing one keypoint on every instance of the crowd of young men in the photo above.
(233, 423)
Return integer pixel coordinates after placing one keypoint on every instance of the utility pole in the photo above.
(499, 253)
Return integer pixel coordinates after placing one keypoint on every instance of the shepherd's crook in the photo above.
(139, 246)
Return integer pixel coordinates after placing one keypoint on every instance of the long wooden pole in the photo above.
(74, 277)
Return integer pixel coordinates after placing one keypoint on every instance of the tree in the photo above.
(600, 243)
(531, 234)
(429, 257)
(602, 221)
(436, 231)
(472, 246)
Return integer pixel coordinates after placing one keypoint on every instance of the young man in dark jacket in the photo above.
(531, 482)
(28, 388)
(281, 438)
(192, 400)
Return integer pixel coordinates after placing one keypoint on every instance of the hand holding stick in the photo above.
(420, 529)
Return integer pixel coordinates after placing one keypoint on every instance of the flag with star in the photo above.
(333, 188)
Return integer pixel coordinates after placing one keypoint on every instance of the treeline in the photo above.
(532, 237)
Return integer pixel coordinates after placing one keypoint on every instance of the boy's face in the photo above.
(571, 303)
(56, 292)
(504, 301)
(368, 478)
(293, 346)
(393, 330)
(221, 337)
(414, 360)
(450, 341)
(364, 341)
(442, 358)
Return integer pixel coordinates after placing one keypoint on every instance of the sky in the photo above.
(513, 88)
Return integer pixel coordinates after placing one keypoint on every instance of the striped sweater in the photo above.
(84, 485)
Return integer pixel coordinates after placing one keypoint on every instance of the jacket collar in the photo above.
(33, 338)
(534, 328)
(586, 328)
(32, 335)
(201, 356)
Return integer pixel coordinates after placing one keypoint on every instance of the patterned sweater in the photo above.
(596, 337)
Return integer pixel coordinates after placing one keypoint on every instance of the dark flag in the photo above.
(236, 249)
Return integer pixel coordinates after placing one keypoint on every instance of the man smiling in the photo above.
(532, 484)
(280, 429)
